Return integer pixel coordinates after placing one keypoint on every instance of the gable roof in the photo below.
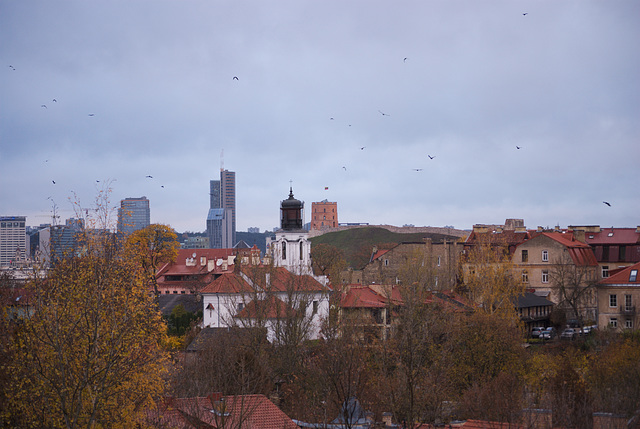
(227, 412)
(581, 253)
(379, 296)
(529, 299)
(279, 279)
(228, 283)
(622, 277)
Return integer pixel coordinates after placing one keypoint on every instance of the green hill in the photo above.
(357, 244)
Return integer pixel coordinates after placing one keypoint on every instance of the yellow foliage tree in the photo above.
(487, 273)
(90, 352)
(152, 246)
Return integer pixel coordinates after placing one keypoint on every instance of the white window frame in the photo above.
(613, 322)
(545, 256)
(613, 300)
(628, 323)
(545, 276)
(605, 271)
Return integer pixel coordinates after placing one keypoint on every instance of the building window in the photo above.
(438, 260)
(613, 300)
(284, 250)
(628, 324)
(628, 304)
(525, 277)
(605, 271)
(545, 276)
(545, 256)
(633, 276)
(613, 322)
(386, 262)
(240, 306)
(315, 307)
(525, 255)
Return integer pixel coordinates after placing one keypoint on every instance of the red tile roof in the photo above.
(282, 280)
(622, 277)
(613, 236)
(227, 412)
(377, 296)
(581, 253)
(228, 283)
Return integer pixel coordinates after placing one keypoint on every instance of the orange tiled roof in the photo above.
(622, 277)
(581, 253)
(228, 283)
(241, 411)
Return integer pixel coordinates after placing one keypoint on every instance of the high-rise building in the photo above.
(221, 218)
(324, 215)
(13, 240)
(133, 214)
(56, 242)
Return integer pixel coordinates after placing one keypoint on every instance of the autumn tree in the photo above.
(614, 376)
(576, 287)
(89, 353)
(327, 260)
(151, 247)
(488, 278)
(345, 368)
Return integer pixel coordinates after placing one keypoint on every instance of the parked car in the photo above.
(568, 334)
(548, 334)
(536, 331)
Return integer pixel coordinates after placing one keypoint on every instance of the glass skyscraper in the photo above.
(221, 218)
(133, 214)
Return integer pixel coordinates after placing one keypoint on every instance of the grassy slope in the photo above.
(358, 243)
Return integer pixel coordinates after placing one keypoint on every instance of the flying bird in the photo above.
(524, 14)
(149, 177)
(518, 147)
(53, 181)
(431, 157)
(235, 78)
(345, 168)
(362, 148)
(162, 186)
(54, 100)
(43, 105)
(417, 169)
(382, 113)
(12, 67)
(92, 114)
(405, 59)
(608, 204)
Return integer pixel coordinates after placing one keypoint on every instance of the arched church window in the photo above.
(284, 249)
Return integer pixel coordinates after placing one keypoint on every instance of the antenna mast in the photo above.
(222, 160)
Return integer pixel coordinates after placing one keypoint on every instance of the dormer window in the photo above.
(633, 276)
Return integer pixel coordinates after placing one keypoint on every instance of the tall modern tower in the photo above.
(221, 219)
(13, 240)
(133, 214)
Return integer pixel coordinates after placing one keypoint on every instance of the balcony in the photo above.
(628, 310)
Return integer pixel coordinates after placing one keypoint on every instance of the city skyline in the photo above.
(424, 113)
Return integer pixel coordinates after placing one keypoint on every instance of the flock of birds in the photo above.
(235, 78)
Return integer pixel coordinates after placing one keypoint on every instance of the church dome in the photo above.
(291, 202)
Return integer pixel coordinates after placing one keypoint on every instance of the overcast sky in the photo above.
(350, 95)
